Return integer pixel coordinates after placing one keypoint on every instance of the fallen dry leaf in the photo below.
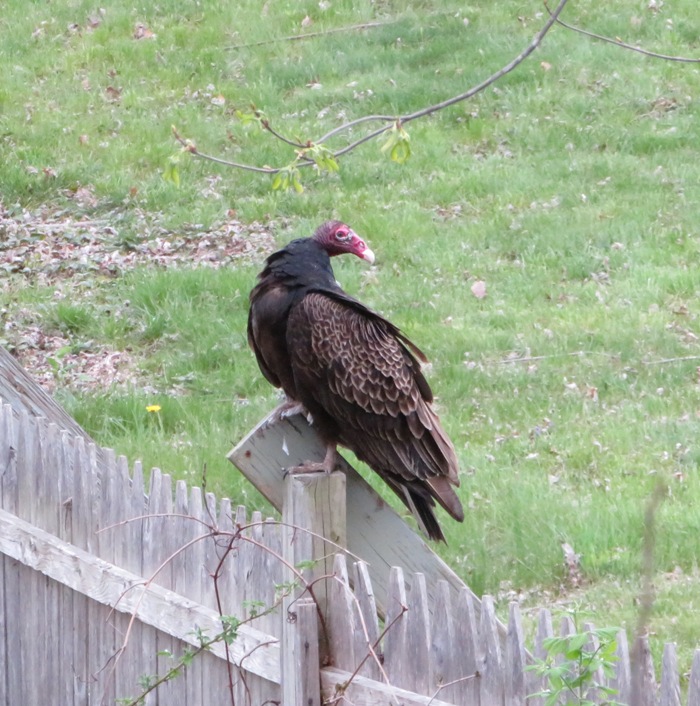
(85, 196)
(572, 565)
(142, 32)
(113, 94)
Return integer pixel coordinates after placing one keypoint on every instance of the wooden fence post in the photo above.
(300, 642)
(643, 678)
(314, 508)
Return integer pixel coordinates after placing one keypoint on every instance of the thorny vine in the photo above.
(229, 543)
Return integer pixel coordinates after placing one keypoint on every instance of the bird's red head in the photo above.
(337, 238)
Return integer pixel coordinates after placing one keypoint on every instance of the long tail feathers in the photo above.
(422, 509)
(442, 491)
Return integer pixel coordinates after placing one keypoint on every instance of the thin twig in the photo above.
(266, 125)
(371, 646)
(664, 361)
(309, 35)
(150, 517)
(145, 585)
(530, 358)
(308, 586)
(192, 149)
(279, 523)
(340, 688)
(623, 45)
(469, 677)
(215, 576)
(536, 41)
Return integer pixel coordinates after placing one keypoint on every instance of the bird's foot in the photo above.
(328, 465)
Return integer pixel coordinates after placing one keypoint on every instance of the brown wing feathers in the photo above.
(354, 371)
(349, 366)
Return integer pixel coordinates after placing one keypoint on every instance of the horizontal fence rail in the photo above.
(108, 583)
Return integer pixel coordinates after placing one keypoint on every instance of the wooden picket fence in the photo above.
(108, 583)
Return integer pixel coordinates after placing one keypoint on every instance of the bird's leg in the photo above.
(328, 465)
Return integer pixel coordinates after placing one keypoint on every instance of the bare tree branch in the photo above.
(303, 161)
(189, 146)
(623, 45)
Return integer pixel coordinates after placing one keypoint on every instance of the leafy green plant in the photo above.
(574, 664)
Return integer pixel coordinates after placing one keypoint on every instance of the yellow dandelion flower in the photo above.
(153, 408)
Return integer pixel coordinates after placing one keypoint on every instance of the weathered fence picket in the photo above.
(99, 577)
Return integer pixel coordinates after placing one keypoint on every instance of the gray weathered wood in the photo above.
(622, 681)
(8, 459)
(342, 624)
(417, 675)
(72, 496)
(442, 646)
(515, 660)
(312, 510)
(594, 694)
(124, 591)
(271, 568)
(670, 692)
(301, 637)
(361, 691)
(492, 666)
(395, 627)
(22, 394)
(467, 650)
(66, 618)
(535, 683)
(694, 681)
(643, 677)
(368, 616)
(376, 534)
(254, 590)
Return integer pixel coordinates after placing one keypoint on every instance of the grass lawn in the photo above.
(570, 188)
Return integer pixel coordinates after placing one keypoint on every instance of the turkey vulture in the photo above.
(353, 371)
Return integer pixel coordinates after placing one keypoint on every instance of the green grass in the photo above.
(570, 191)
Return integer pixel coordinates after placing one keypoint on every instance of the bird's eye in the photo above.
(342, 235)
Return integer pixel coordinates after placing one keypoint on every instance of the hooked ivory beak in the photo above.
(368, 255)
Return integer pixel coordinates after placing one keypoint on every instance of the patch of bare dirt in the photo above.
(53, 245)
(57, 248)
(55, 362)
